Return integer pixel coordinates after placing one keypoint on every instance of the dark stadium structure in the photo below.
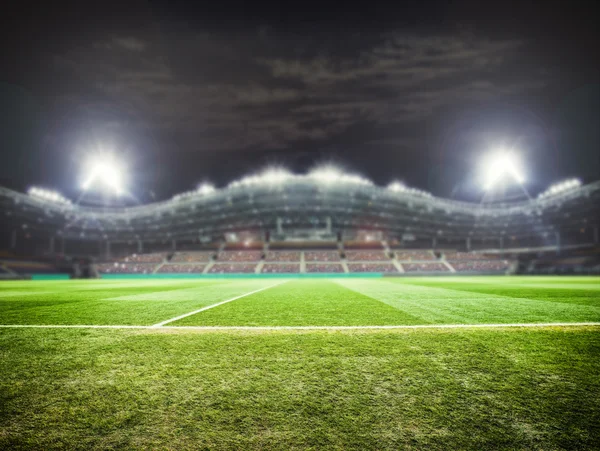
(303, 225)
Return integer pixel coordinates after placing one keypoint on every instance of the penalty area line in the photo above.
(292, 328)
(185, 315)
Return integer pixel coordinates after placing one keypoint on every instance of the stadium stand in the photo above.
(414, 255)
(239, 256)
(322, 256)
(288, 268)
(358, 256)
(453, 255)
(425, 267)
(191, 257)
(29, 267)
(308, 222)
(126, 268)
(324, 268)
(372, 267)
(181, 269)
(480, 265)
(363, 245)
(144, 258)
(232, 268)
(283, 256)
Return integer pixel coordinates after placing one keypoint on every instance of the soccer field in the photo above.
(268, 363)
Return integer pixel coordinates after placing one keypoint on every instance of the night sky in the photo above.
(415, 91)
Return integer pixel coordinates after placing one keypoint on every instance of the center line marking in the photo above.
(215, 305)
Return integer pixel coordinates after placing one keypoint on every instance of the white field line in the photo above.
(292, 328)
(162, 323)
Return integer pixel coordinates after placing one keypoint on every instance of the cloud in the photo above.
(130, 43)
(235, 92)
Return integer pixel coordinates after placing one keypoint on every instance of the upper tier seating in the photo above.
(374, 255)
(414, 255)
(322, 256)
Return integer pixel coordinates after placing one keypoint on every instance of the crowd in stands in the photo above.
(324, 267)
(372, 267)
(126, 268)
(283, 256)
(425, 267)
(281, 268)
(144, 258)
(415, 255)
(239, 256)
(178, 268)
(479, 265)
(321, 256)
(29, 267)
(374, 255)
(452, 255)
(191, 257)
(229, 268)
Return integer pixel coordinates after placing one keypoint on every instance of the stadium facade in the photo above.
(301, 209)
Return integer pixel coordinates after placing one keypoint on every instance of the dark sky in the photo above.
(417, 91)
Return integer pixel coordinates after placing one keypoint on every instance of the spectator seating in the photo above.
(414, 255)
(191, 257)
(425, 267)
(322, 256)
(372, 267)
(179, 268)
(324, 267)
(363, 245)
(126, 268)
(30, 267)
(479, 265)
(283, 256)
(453, 255)
(239, 256)
(232, 268)
(287, 268)
(372, 255)
(144, 258)
(244, 246)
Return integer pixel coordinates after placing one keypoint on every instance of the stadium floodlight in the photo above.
(326, 174)
(104, 170)
(274, 175)
(205, 189)
(499, 167)
(329, 174)
(397, 187)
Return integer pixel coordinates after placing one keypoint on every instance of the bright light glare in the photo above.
(104, 171)
(499, 167)
(275, 175)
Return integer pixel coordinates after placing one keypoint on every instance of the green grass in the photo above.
(501, 388)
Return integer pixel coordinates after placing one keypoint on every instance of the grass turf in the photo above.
(499, 388)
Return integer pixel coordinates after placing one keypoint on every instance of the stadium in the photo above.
(302, 311)
(244, 226)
